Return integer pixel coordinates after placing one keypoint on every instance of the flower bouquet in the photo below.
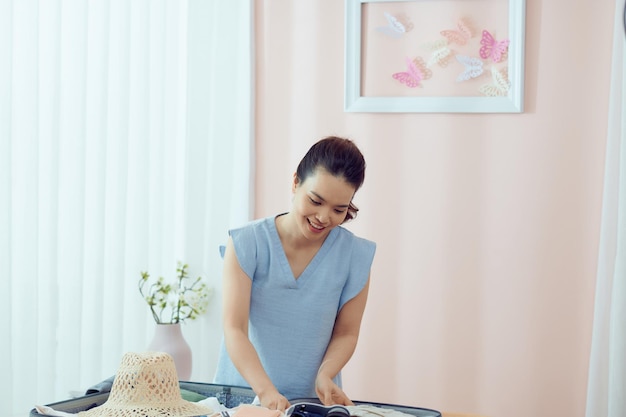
(172, 303)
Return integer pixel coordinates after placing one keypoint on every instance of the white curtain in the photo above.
(125, 145)
(606, 395)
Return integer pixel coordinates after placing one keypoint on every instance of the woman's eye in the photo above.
(316, 203)
(338, 211)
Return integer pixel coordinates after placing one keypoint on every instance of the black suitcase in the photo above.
(228, 395)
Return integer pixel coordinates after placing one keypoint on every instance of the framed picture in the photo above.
(434, 56)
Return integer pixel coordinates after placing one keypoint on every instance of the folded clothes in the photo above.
(367, 410)
(49, 411)
(192, 396)
(214, 404)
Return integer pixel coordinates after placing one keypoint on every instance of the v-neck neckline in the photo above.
(294, 281)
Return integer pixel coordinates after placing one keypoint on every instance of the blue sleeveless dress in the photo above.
(291, 321)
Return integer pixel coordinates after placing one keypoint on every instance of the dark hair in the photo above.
(339, 157)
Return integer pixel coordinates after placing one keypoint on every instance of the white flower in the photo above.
(178, 300)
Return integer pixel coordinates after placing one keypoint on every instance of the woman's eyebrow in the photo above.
(322, 198)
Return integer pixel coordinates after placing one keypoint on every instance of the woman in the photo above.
(295, 286)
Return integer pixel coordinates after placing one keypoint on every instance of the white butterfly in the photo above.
(500, 86)
(473, 67)
(394, 27)
(440, 53)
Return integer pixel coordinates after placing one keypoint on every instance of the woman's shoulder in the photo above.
(348, 235)
(256, 224)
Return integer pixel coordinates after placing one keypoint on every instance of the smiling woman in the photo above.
(295, 286)
(108, 167)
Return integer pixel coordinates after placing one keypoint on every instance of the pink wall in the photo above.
(487, 225)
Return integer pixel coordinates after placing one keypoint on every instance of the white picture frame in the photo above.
(354, 101)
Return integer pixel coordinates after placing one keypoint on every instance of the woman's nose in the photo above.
(322, 216)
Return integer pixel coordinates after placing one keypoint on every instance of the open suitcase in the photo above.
(229, 396)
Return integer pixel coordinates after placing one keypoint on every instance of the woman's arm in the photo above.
(237, 288)
(340, 349)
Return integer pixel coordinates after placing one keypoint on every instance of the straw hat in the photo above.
(146, 385)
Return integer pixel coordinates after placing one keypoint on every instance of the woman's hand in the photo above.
(329, 393)
(273, 400)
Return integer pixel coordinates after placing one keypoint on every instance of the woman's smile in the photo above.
(314, 227)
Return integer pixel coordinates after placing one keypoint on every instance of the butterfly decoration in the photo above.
(460, 36)
(395, 28)
(491, 48)
(473, 67)
(415, 73)
(500, 86)
(440, 53)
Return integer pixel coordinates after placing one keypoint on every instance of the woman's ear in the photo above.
(295, 182)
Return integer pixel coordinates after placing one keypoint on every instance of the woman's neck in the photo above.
(291, 235)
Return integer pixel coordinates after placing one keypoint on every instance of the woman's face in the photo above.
(321, 203)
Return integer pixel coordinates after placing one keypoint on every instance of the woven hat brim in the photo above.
(181, 409)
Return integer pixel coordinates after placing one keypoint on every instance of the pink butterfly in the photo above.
(415, 73)
(491, 48)
(460, 36)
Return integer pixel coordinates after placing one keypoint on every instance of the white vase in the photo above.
(169, 338)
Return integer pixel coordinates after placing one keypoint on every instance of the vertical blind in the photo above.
(607, 364)
(125, 146)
